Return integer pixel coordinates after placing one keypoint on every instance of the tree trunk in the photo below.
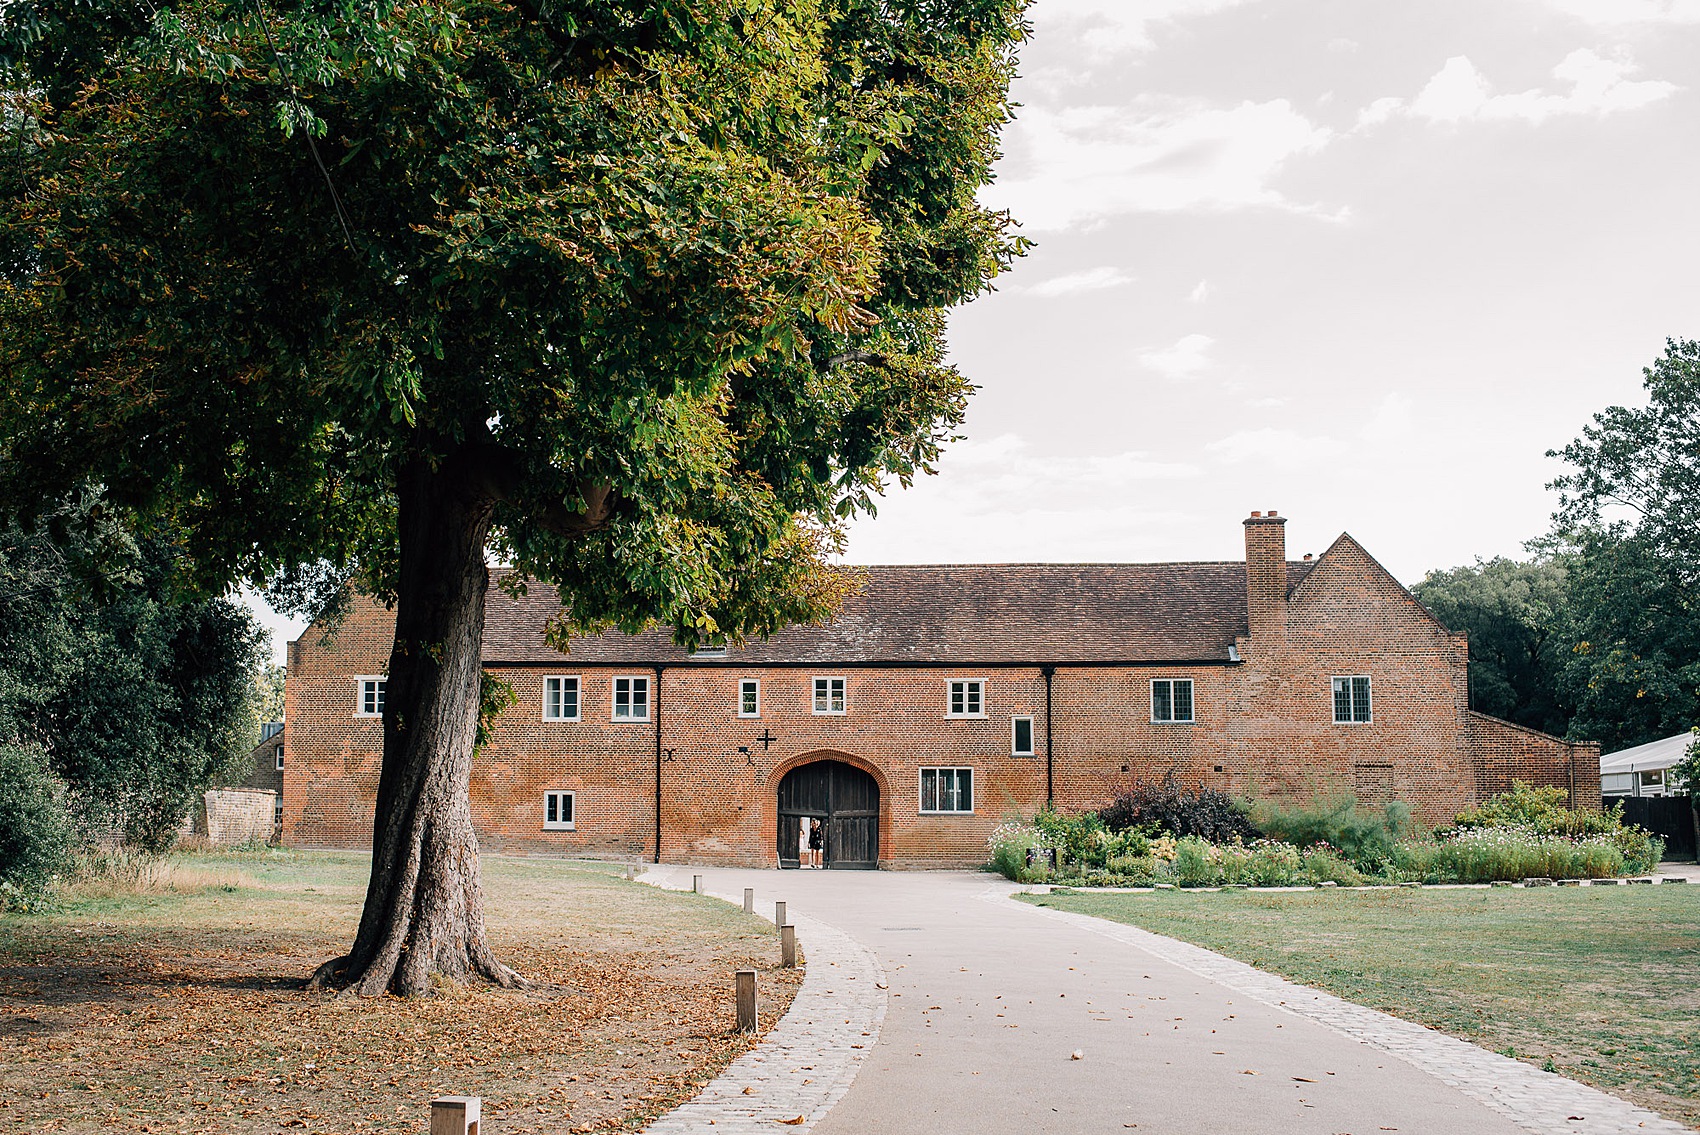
(424, 910)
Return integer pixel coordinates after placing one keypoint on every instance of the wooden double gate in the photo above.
(846, 800)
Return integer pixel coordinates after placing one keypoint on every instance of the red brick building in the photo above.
(941, 701)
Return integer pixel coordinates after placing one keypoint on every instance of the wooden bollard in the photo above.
(455, 1115)
(749, 900)
(779, 914)
(788, 946)
(696, 884)
(746, 1001)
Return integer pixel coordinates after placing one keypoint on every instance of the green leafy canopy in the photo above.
(1629, 529)
(668, 275)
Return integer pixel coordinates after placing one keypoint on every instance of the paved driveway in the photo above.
(989, 1000)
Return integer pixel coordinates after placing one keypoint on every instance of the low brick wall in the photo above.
(1504, 752)
(230, 816)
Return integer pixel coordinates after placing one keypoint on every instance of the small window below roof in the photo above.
(829, 695)
(1171, 700)
(967, 698)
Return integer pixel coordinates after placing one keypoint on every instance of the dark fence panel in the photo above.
(1671, 817)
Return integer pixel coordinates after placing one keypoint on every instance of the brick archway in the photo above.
(848, 765)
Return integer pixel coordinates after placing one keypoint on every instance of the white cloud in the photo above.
(1393, 423)
(1340, 45)
(1460, 93)
(1618, 12)
(1113, 27)
(1080, 164)
(1384, 432)
(1005, 466)
(1186, 358)
(1379, 111)
(1273, 448)
(1000, 500)
(1090, 280)
(1200, 292)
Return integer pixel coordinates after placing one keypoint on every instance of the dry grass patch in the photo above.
(182, 1010)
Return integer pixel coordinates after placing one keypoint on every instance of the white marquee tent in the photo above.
(1643, 770)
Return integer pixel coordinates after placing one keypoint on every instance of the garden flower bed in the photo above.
(1523, 834)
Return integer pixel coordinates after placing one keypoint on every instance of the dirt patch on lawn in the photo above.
(186, 1013)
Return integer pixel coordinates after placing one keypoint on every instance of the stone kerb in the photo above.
(806, 1064)
(1540, 1102)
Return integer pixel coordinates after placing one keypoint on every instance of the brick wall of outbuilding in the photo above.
(1505, 752)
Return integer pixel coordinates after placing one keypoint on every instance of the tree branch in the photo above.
(869, 357)
(497, 473)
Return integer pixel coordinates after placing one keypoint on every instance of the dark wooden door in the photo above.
(845, 799)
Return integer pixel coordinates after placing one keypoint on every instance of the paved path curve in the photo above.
(989, 1000)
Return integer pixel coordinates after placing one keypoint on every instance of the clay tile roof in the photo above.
(951, 615)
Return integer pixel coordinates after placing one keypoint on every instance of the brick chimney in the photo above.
(1266, 576)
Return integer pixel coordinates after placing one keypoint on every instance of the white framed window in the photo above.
(749, 697)
(278, 754)
(1171, 699)
(277, 812)
(945, 790)
(967, 698)
(829, 695)
(1351, 699)
(710, 650)
(1652, 778)
(558, 813)
(1021, 736)
(631, 699)
(369, 701)
(560, 698)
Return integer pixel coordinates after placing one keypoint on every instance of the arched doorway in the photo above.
(846, 798)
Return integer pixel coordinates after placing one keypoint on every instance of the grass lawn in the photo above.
(1603, 983)
(181, 1008)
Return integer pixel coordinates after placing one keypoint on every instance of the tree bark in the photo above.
(424, 911)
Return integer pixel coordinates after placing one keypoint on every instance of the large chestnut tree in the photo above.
(644, 296)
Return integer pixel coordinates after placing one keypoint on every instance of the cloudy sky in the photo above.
(1360, 261)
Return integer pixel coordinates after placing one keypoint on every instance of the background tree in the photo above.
(1515, 614)
(119, 703)
(268, 692)
(648, 295)
(1629, 521)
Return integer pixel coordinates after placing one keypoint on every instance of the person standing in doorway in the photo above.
(817, 845)
(803, 826)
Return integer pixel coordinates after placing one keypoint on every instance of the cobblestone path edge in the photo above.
(810, 1058)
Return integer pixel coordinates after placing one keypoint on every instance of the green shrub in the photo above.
(1365, 838)
(1208, 813)
(1640, 849)
(1324, 865)
(35, 833)
(1010, 844)
(1194, 866)
(1546, 810)
(1075, 837)
(1504, 852)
